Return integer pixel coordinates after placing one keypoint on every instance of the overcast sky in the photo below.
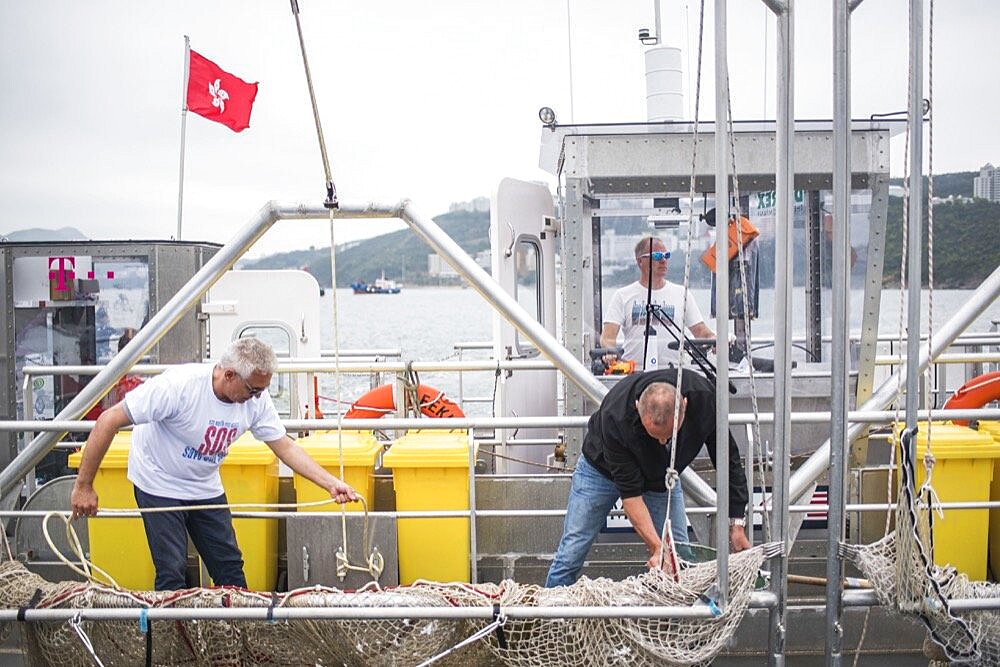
(433, 101)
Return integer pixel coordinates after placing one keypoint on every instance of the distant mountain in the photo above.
(401, 254)
(38, 234)
(958, 183)
(964, 246)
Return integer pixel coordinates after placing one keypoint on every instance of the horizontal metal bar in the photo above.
(759, 599)
(324, 366)
(474, 345)
(393, 423)
(947, 358)
(507, 513)
(384, 424)
(361, 352)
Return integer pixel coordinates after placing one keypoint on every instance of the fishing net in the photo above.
(384, 641)
(904, 576)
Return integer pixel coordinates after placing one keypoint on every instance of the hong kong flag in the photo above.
(218, 95)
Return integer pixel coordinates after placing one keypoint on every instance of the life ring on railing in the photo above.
(975, 393)
(379, 402)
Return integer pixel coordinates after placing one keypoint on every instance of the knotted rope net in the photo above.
(385, 641)
(903, 573)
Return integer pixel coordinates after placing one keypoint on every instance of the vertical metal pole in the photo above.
(575, 241)
(838, 326)
(722, 211)
(656, 18)
(473, 551)
(915, 212)
(785, 196)
(569, 48)
(814, 284)
(184, 109)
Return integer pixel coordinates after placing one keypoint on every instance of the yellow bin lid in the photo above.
(248, 451)
(116, 456)
(429, 449)
(360, 448)
(951, 441)
(990, 427)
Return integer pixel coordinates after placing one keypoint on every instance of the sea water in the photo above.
(426, 323)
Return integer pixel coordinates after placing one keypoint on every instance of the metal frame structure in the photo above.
(651, 160)
(170, 263)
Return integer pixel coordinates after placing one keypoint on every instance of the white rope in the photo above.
(671, 477)
(374, 563)
(77, 624)
(930, 371)
(901, 330)
(755, 449)
(500, 621)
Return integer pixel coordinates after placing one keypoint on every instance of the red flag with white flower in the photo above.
(218, 95)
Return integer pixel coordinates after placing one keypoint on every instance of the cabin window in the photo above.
(279, 338)
(528, 272)
(122, 301)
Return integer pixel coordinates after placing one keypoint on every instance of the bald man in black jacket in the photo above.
(626, 453)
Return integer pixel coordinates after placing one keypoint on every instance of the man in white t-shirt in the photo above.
(626, 312)
(185, 420)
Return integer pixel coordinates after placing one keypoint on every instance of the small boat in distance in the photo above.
(381, 286)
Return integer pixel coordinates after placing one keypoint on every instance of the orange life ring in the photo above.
(975, 393)
(379, 402)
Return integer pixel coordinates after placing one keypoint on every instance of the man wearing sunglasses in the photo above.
(185, 420)
(626, 313)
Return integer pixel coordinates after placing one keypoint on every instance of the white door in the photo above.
(280, 307)
(523, 239)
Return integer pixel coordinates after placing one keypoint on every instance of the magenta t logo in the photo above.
(63, 271)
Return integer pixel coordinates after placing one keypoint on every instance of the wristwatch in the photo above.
(741, 522)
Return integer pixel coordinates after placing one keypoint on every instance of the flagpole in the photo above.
(184, 108)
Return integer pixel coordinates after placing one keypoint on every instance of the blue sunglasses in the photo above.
(656, 255)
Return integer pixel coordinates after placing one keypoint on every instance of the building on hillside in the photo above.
(987, 184)
(477, 205)
(438, 268)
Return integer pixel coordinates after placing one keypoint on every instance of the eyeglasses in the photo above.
(253, 391)
(656, 255)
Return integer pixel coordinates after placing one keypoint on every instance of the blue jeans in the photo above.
(212, 534)
(591, 497)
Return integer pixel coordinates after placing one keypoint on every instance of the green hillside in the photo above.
(966, 243)
(958, 184)
(401, 254)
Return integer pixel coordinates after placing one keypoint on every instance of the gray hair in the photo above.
(642, 247)
(656, 402)
(247, 356)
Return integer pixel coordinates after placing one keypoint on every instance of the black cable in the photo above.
(649, 304)
(810, 353)
(697, 355)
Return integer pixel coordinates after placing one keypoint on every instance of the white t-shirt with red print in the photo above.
(183, 432)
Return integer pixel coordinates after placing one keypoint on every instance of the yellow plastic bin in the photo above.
(963, 471)
(250, 475)
(118, 546)
(992, 428)
(430, 472)
(360, 451)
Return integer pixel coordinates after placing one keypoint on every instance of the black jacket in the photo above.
(620, 448)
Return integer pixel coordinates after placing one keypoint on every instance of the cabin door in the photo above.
(523, 238)
(279, 307)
